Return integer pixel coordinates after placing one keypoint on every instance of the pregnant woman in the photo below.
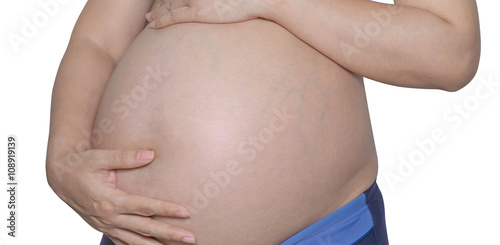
(254, 112)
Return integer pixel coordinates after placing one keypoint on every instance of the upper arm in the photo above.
(111, 24)
(462, 14)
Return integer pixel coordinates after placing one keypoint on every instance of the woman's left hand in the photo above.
(169, 12)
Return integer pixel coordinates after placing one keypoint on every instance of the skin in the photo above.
(441, 51)
(83, 177)
(221, 111)
(76, 97)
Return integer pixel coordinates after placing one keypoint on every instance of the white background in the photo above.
(451, 197)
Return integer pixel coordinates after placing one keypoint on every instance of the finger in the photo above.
(169, 4)
(179, 15)
(149, 227)
(163, 7)
(157, 12)
(174, 4)
(144, 206)
(125, 237)
(120, 159)
(157, 4)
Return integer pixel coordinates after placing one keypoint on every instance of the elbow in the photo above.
(461, 68)
(451, 71)
(458, 81)
(461, 74)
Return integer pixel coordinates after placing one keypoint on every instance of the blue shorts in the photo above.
(360, 222)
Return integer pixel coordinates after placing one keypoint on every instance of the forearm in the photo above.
(81, 79)
(399, 45)
(102, 34)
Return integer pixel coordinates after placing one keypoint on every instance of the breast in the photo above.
(250, 126)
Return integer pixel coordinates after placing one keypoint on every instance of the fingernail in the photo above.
(145, 156)
(148, 16)
(182, 214)
(188, 240)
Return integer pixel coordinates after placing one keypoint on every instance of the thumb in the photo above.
(121, 159)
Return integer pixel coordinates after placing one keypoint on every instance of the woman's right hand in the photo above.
(86, 181)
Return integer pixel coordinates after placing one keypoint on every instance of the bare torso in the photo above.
(256, 132)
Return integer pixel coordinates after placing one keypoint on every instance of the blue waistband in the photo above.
(347, 225)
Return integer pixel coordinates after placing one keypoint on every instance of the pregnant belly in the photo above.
(258, 134)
